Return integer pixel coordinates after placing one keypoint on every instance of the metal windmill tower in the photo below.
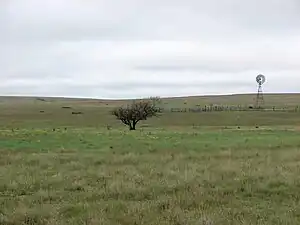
(260, 79)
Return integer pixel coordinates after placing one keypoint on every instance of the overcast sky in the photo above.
(140, 48)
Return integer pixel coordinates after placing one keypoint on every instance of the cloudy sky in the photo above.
(140, 48)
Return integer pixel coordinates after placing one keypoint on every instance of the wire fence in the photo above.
(220, 108)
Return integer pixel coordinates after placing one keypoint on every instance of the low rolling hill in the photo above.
(45, 111)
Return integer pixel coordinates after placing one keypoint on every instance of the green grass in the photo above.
(180, 169)
(94, 176)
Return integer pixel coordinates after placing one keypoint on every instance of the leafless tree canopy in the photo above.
(136, 112)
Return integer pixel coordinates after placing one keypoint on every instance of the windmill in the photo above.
(260, 79)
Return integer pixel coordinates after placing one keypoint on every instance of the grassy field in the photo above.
(220, 168)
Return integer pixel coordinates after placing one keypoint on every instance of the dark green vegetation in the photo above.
(214, 168)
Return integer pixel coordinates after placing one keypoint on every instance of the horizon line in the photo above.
(163, 97)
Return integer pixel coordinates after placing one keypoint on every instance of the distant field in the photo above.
(207, 168)
(248, 99)
(25, 112)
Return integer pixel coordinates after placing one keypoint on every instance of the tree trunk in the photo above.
(132, 125)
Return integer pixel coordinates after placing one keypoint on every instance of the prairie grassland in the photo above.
(182, 168)
(55, 112)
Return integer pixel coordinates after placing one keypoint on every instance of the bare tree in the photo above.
(136, 112)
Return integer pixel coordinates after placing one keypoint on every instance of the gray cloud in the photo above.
(115, 19)
(138, 48)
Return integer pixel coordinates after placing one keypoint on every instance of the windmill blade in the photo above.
(260, 79)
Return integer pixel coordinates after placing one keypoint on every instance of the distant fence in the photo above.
(220, 108)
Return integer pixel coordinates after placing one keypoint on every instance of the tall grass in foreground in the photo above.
(187, 176)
